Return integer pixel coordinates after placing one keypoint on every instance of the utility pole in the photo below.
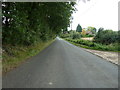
(71, 22)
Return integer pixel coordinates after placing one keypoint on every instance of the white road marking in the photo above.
(50, 83)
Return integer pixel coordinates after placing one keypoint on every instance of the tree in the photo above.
(106, 36)
(65, 30)
(74, 34)
(83, 33)
(26, 23)
(100, 29)
(92, 29)
(79, 28)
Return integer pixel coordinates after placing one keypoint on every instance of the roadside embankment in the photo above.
(109, 56)
(95, 46)
(13, 56)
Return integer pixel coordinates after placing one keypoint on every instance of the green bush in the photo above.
(76, 36)
(106, 37)
(65, 35)
(89, 35)
(97, 46)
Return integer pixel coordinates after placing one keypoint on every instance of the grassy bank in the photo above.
(13, 56)
(95, 46)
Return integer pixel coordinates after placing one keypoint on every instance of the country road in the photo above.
(63, 65)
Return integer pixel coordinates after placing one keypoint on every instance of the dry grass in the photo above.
(88, 38)
(16, 55)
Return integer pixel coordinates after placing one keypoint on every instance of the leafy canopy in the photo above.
(26, 23)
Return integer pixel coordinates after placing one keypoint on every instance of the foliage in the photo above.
(26, 23)
(71, 34)
(83, 33)
(89, 32)
(65, 30)
(13, 56)
(89, 35)
(101, 29)
(106, 36)
(92, 29)
(79, 28)
(75, 35)
(64, 35)
(93, 45)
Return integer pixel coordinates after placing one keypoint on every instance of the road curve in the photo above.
(63, 65)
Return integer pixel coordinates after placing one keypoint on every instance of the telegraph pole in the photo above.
(71, 22)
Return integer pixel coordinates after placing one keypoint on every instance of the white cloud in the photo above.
(97, 13)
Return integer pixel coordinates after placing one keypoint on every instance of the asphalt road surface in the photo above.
(63, 65)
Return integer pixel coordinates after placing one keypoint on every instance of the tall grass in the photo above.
(13, 56)
(93, 45)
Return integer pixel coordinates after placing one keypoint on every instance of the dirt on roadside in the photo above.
(110, 56)
(88, 38)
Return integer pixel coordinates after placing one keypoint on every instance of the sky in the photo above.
(96, 13)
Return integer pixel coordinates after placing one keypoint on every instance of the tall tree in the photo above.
(29, 22)
(92, 29)
(79, 28)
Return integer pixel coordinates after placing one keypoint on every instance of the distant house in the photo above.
(89, 32)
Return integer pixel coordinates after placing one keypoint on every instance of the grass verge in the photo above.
(13, 56)
(92, 45)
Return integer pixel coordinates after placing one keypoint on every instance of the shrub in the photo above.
(76, 36)
(65, 35)
(106, 37)
(97, 46)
